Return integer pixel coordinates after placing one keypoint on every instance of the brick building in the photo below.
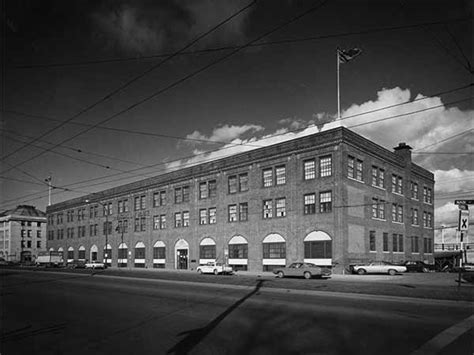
(332, 198)
(22, 233)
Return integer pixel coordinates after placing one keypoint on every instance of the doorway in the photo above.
(182, 256)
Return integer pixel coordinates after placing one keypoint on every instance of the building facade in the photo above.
(333, 198)
(22, 233)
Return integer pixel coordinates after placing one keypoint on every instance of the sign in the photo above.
(464, 202)
(463, 223)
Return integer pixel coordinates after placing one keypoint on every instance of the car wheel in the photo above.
(200, 271)
(216, 272)
(307, 275)
(425, 269)
(280, 274)
(392, 272)
(361, 271)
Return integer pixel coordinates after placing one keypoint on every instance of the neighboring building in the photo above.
(332, 198)
(22, 233)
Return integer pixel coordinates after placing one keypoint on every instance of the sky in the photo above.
(97, 94)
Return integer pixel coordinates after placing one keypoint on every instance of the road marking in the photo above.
(446, 337)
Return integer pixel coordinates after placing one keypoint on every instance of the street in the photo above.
(74, 313)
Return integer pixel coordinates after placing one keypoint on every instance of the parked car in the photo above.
(300, 269)
(379, 267)
(95, 265)
(76, 264)
(214, 268)
(418, 266)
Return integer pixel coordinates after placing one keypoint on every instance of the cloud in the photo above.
(454, 180)
(446, 214)
(156, 26)
(225, 133)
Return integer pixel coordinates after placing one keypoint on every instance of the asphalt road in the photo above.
(73, 313)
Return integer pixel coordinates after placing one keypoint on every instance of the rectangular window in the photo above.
(238, 251)
(207, 252)
(274, 250)
(163, 221)
(318, 249)
(137, 225)
(427, 195)
(178, 195)
(212, 215)
(280, 207)
(309, 169)
(156, 222)
(212, 187)
(400, 243)
(378, 177)
(385, 241)
(162, 198)
(38, 234)
(142, 224)
(355, 168)
(186, 219)
(414, 190)
(232, 182)
(185, 193)
(309, 203)
(137, 203)
(325, 201)
(415, 248)
(372, 246)
(178, 222)
(280, 173)
(122, 226)
(156, 199)
(414, 216)
(244, 182)
(395, 242)
(397, 184)
(325, 166)
(427, 220)
(397, 213)
(267, 209)
(202, 216)
(267, 177)
(243, 211)
(159, 253)
(203, 191)
(232, 213)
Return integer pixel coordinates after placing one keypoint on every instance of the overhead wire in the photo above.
(225, 48)
(130, 82)
(204, 153)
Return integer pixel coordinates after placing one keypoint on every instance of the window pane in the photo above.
(309, 167)
(268, 177)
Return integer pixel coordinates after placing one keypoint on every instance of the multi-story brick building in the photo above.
(332, 198)
(22, 233)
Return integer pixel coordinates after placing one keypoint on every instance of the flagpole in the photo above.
(338, 90)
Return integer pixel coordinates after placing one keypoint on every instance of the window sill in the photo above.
(396, 222)
(379, 219)
(379, 188)
(356, 180)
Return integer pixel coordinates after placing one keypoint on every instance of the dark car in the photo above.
(76, 264)
(418, 266)
(301, 269)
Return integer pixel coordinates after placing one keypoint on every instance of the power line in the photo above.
(161, 135)
(176, 83)
(212, 159)
(447, 138)
(131, 81)
(225, 48)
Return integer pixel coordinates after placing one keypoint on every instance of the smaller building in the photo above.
(22, 233)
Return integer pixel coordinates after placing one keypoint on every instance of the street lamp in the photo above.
(106, 212)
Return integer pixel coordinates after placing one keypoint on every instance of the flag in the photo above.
(347, 55)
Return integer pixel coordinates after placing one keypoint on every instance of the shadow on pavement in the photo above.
(195, 336)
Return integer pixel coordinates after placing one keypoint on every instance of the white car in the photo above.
(379, 267)
(95, 265)
(214, 268)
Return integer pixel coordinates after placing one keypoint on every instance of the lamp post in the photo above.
(120, 228)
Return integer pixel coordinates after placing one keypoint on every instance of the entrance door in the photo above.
(182, 259)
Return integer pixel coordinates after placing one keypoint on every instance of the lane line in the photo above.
(446, 337)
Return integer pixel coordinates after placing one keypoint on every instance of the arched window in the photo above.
(122, 255)
(238, 253)
(140, 255)
(207, 251)
(82, 253)
(274, 252)
(159, 255)
(318, 248)
(70, 254)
